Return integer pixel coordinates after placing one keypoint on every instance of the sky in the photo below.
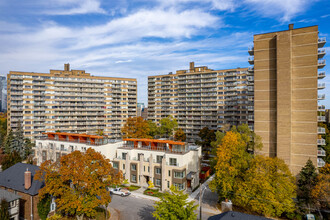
(138, 38)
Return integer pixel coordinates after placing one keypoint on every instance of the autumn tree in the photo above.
(267, 187)
(10, 159)
(78, 182)
(232, 161)
(180, 135)
(3, 128)
(253, 141)
(167, 126)
(136, 127)
(207, 136)
(321, 191)
(174, 205)
(306, 183)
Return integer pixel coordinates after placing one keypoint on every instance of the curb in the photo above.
(114, 214)
(142, 196)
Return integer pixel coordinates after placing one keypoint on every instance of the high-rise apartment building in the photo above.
(201, 97)
(3, 94)
(70, 101)
(286, 65)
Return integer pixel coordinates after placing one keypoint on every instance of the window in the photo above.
(62, 147)
(168, 184)
(133, 178)
(148, 169)
(169, 173)
(57, 156)
(124, 156)
(180, 186)
(144, 168)
(158, 171)
(179, 175)
(115, 165)
(133, 167)
(157, 182)
(123, 166)
(159, 159)
(173, 162)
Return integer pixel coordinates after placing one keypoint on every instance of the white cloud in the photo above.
(72, 7)
(123, 61)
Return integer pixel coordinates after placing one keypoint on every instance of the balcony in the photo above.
(321, 141)
(321, 118)
(320, 130)
(320, 64)
(320, 85)
(321, 42)
(321, 152)
(251, 50)
(251, 60)
(251, 69)
(320, 53)
(321, 108)
(321, 97)
(321, 75)
(320, 162)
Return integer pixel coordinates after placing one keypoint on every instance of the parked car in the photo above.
(119, 191)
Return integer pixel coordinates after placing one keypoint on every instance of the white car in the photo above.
(119, 191)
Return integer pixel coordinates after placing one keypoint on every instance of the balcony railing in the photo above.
(321, 75)
(321, 97)
(321, 118)
(321, 152)
(321, 141)
(162, 149)
(320, 130)
(251, 60)
(321, 85)
(321, 108)
(251, 69)
(320, 162)
(251, 50)
(321, 41)
(321, 53)
(321, 63)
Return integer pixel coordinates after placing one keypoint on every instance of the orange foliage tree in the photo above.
(321, 192)
(78, 182)
(180, 135)
(136, 127)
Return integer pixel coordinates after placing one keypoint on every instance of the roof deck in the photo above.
(77, 138)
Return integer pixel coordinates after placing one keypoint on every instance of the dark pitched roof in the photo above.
(13, 178)
(8, 196)
(231, 215)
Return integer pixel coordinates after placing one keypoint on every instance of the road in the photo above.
(132, 208)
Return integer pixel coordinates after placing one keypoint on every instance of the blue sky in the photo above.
(137, 38)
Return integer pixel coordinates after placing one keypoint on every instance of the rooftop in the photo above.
(8, 196)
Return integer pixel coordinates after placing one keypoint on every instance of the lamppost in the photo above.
(201, 193)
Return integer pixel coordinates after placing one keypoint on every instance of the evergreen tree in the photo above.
(4, 210)
(8, 143)
(19, 142)
(10, 160)
(174, 205)
(306, 182)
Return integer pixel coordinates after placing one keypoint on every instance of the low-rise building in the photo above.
(13, 203)
(163, 162)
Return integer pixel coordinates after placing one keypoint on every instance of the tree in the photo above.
(207, 136)
(150, 184)
(78, 182)
(174, 205)
(4, 210)
(232, 161)
(153, 129)
(180, 135)
(18, 143)
(10, 160)
(44, 206)
(267, 187)
(3, 128)
(167, 126)
(321, 191)
(253, 141)
(306, 183)
(136, 127)
(8, 142)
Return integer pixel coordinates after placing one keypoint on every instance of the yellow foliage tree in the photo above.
(150, 184)
(78, 182)
(267, 187)
(136, 127)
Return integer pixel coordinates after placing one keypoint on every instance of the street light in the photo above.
(201, 193)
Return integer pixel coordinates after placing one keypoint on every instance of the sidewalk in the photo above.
(194, 195)
(114, 214)
(139, 194)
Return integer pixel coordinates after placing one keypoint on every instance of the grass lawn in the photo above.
(153, 192)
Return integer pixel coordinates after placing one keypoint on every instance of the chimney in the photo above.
(67, 67)
(290, 26)
(27, 179)
(192, 66)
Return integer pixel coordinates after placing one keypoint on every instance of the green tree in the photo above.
(207, 136)
(78, 182)
(8, 142)
(167, 126)
(44, 206)
(153, 129)
(253, 141)
(321, 191)
(10, 160)
(267, 187)
(4, 210)
(173, 205)
(3, 130)
(307, 179)
(180, 135)
(18, 143)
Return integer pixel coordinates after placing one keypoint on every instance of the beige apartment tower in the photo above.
(286, 65)
(71, 101)
(201, 97)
